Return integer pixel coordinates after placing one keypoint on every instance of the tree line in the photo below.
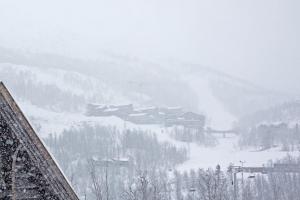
(91, 156)
(267, 136)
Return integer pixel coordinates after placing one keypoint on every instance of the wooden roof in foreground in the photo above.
(27, 170)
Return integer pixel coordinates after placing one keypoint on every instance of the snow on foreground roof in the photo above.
(33, 145)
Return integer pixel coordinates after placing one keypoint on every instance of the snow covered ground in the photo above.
(46, 120)
(224, 153)
(227, 152)
(213, 108)
(75, 83)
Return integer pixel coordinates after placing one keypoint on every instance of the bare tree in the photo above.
(96, 182)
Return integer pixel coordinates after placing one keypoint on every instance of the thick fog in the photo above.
(255, 40)
(150, 99)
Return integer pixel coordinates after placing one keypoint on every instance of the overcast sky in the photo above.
(257, 40)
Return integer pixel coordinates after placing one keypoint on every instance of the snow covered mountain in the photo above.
(65, 84)
(56, 89)
(224, 98)
(288, 113)
(53, 91)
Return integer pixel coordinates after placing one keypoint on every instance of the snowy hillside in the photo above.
(224, 97)
(29, 83)
(54, 95)
(218, 115)
(221, 97)
(224, 153)
(288, 112)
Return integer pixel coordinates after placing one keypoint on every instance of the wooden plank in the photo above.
(34, 146)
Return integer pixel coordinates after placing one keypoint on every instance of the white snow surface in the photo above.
(47, 121)
(227, 152)
(68, 81)
(224, 153)
(216, 113)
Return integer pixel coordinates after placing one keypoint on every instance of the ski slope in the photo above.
(226, 152)
(50, 121)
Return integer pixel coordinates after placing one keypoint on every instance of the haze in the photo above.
(150, 99)
(255, 40)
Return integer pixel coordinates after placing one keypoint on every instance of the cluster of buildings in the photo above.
(167, 116)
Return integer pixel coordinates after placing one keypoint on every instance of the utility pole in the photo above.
(234, 185)
(193, 190)
(242, 162)
(234, 170)
(277, 168)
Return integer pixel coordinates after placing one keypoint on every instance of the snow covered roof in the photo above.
(111, 109)
(174, 108)
(146, 108)
(28, 140)
(137, 114)
(101, 106)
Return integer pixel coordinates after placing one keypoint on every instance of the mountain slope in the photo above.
(53, 92)
(288, 113)
(56, 88)
(119, 79)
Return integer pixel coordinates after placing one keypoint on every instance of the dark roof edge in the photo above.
(35, 138)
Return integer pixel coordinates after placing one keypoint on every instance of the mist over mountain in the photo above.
(117, 79)
(150, 100)
(255, 40)
(285, 113)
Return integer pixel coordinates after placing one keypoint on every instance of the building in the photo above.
(27, 170)
(172, 111)
(121, 111)
(192, 116)
(168, 116)
(187, 120)
(141, 118)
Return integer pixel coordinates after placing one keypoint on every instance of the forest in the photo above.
(105, 163)
(265, 136)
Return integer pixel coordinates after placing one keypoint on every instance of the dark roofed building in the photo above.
(94, 109)
(172, 111)
(121, 111)
(187, 119)
(27, 170)
(168, 116)
(192, 116)
(141, 118)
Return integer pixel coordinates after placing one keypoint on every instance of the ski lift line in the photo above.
(274, 169)
(277, 168)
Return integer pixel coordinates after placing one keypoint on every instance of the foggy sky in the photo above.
(257, 40)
